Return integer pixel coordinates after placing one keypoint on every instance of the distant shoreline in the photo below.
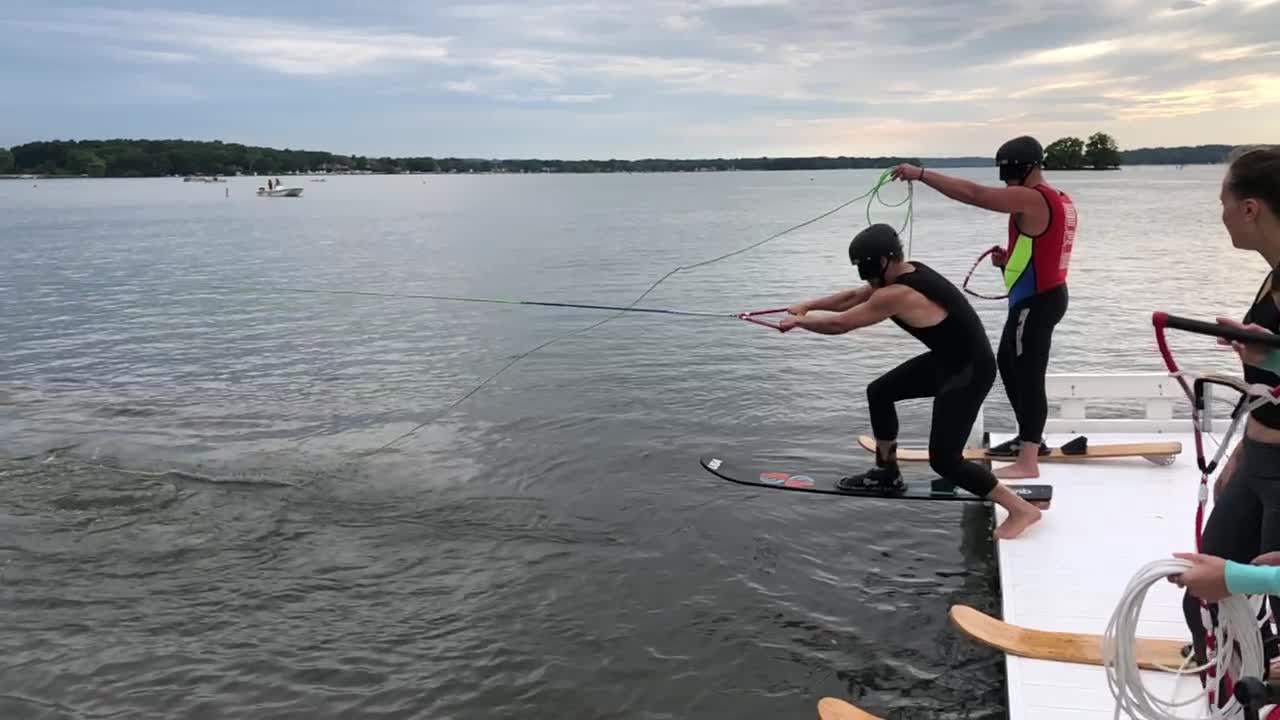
(225, 178)
(196, 158)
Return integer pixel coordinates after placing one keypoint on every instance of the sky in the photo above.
(633, 79)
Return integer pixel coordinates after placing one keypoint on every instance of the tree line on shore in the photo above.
(156, 158)
(1072, 153)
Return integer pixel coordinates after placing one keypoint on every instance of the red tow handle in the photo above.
(751, 317)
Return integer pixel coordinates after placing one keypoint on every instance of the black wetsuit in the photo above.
(1024, 360)
(1245, 521)
(957, 371)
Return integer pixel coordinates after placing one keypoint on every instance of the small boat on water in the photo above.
(280, 192)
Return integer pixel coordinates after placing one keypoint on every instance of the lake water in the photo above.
(194, 526)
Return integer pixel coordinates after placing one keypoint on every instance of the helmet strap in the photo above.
(1016, 174)
(873, 269)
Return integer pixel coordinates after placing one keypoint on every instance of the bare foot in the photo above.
(1026, 466)
(1018, 471)
(1022, 514)
(1018, 521)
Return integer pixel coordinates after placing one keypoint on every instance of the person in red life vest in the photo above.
(1042, 230)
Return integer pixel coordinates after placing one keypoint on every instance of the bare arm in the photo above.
(880, 306)
(841, 301)
(1008, 200)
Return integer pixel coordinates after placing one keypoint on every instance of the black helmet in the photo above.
(869, 246)
(1017, 157)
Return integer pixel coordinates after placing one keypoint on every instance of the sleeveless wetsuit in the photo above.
(1035, 273)
(957, 371)
(1245, 521)
(1264, 312)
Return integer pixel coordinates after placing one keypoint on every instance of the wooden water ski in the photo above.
(830, 708)
(1079, 648)
(1159, 453)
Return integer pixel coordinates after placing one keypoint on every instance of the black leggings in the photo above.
(1024, 358)
(958, 396)
(1245, 523)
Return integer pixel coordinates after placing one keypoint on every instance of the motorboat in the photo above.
(280, 192)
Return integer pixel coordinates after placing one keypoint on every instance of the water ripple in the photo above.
(190, 526)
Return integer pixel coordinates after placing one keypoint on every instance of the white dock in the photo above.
(1108, 519)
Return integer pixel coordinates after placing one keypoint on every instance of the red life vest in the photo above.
(1039, 264)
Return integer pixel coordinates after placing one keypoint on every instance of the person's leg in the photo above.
(1232, 531)
(955, 409)
(1260, 464)
(1032, 342)
(915, 378)
(1005, 361)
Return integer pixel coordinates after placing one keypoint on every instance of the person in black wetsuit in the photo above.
(1245, 521)
(958, 369)
(1041, 233)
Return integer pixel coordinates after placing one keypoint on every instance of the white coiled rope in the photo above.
(1237, 625)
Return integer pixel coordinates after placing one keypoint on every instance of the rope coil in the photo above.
(1236, 636)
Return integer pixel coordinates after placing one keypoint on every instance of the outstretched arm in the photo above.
(838, 302)
(881, 305)
(1008, 200)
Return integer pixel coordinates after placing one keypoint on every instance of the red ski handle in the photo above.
(751, 317)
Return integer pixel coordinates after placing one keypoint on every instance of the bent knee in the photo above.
(878, 392)
(945, 465)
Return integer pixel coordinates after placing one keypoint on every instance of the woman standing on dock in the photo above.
(1245, 521)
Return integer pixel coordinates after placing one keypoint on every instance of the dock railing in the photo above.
(1079, 397)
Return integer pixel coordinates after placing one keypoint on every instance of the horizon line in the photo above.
(649, 158)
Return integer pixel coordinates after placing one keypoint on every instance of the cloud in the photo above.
(1229, 54)
(1079, 82)
(284, 47)
(950, 71)
(580, 99)
(471, 87)
(1071, 53)
(149, 56)
(1250, 91)
(466, 87)
(681, 23)
(873, 135)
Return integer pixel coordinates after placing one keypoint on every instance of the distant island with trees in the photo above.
(160, 158)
